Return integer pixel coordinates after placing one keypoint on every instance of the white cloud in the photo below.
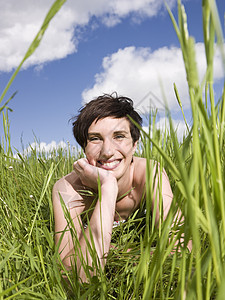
(43, 147)
(21, 20)
(163, 125)
(140, 7)
(50, 149)
(143, 74)
(179, 127)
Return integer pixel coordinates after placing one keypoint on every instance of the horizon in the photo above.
(90, 50)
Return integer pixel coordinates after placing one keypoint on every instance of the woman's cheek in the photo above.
(92, 155)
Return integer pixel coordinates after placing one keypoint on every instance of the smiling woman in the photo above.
(110, 145)
(109, 140)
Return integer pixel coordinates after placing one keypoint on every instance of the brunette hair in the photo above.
(101, 107)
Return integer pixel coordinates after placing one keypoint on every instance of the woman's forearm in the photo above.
(99, 229)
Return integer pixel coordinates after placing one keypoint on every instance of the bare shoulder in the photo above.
(140, 164)
(70, 180)
(139, 169)
(67, 188)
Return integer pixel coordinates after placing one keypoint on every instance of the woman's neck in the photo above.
(125, 183)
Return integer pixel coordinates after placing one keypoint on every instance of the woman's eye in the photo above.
(93, 138)
(119, 136)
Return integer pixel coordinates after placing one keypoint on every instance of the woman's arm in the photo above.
(101, 219)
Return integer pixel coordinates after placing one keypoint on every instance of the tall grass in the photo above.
(151, 269)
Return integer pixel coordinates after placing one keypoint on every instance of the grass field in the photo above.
(196, 168)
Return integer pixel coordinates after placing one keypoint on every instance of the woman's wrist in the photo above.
(109, 185)
(109, 179)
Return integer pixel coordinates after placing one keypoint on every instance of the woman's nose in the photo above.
(107, 148)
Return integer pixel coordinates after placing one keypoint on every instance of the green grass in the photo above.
(196, 167)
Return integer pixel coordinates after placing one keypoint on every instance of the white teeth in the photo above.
(110, 164)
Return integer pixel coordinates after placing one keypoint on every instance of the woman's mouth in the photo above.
(109, 164)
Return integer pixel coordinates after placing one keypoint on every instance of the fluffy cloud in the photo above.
(21, 20)
(143, 75)
(163, 125)
(52, 148)
(44, 147)
(179, 127)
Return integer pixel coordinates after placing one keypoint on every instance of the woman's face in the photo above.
(110, 145)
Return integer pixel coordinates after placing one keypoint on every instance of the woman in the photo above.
(109, 139)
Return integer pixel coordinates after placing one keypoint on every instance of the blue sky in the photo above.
(93, 47)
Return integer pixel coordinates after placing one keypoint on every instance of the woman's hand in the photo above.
(89, 174)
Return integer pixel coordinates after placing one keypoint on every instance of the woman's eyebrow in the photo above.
(93, 134)
(97, 134)
(121, 131)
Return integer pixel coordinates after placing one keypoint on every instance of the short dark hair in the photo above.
(101, 107)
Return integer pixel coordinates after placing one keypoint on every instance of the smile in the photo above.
(109, 165)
